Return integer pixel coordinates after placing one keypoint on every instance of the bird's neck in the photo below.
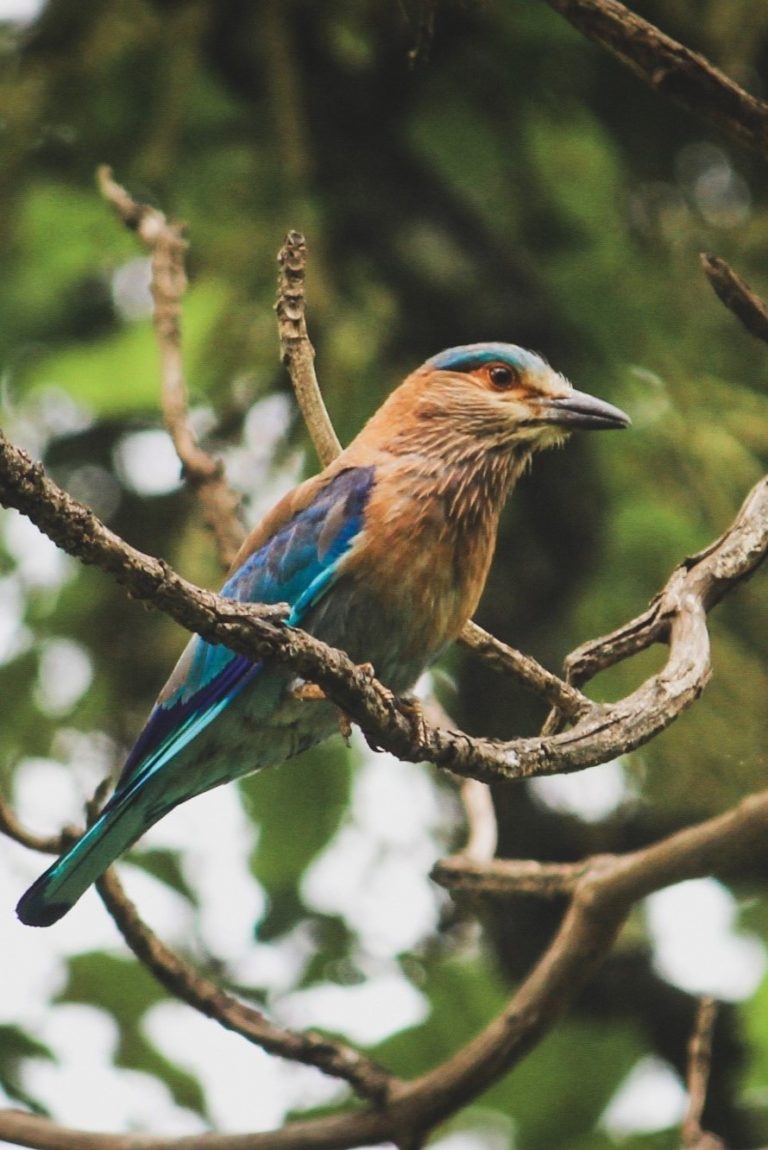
(470, 477)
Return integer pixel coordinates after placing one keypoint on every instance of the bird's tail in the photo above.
(57, 890)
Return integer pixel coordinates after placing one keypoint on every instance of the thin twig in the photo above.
(296, 349)
(699, 1065)
(167, 246)
(530, 674)
(737, 295)
(601, 901)
(482, 828)
(671, 69)
(13, 829)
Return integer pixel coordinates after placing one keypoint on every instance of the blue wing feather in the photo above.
(297, 565)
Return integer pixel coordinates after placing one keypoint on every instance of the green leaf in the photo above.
(15, 1045)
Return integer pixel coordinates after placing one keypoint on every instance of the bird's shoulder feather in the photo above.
(292, 556)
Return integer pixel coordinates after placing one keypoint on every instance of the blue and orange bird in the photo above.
(383, 554)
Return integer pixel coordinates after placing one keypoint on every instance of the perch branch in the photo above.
(167, 246)
(605, 731)
(670, 69)
(602, 897)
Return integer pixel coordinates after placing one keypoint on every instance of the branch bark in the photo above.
(369, 1080)
(679, 614)
(737, 295)
(670, 69)
(602, 896)
(167, 246)
(296, 349)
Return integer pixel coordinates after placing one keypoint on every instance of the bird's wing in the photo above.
(297, 562)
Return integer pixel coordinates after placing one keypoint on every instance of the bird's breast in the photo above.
(408, 585)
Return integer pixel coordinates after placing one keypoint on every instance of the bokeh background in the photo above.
(503, 179)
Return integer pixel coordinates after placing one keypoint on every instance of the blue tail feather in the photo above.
(58, 889)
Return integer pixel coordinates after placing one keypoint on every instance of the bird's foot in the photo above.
(311, 693)
(412, 709)
(307, 692)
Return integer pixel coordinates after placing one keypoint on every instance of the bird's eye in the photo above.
(502, 377)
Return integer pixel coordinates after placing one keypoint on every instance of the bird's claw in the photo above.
(312, 693)
(412, 709)
(307, 692)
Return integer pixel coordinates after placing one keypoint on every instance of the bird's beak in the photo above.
(577, 410)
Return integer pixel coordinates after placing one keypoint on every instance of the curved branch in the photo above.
(369, 1080)
(604, 732)
(671, 69)
(603, 896)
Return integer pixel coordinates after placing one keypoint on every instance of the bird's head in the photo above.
(507, 394)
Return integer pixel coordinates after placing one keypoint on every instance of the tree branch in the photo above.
(167, 247)
(603, 732)
(296, 349)
(671, 69)
(563, 696)
(369, 1080)
(602, 897)
(699, 1064)
(507, 878)
(737, 295)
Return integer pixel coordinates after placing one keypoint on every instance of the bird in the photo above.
(383, 554)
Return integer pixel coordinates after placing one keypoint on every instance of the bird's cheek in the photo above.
(549, 436)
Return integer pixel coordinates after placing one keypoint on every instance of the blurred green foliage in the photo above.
(513, 183)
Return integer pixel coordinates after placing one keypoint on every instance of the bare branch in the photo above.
(507, 878)
(297, 351)
(368, 1079)
(671, 69)
(699, 1064)
(603, 895)
(167, 246)
(602, 898)
(604, 732)
(737, 295)
(530, 674)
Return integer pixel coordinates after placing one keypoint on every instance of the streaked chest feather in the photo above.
(423, 557)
